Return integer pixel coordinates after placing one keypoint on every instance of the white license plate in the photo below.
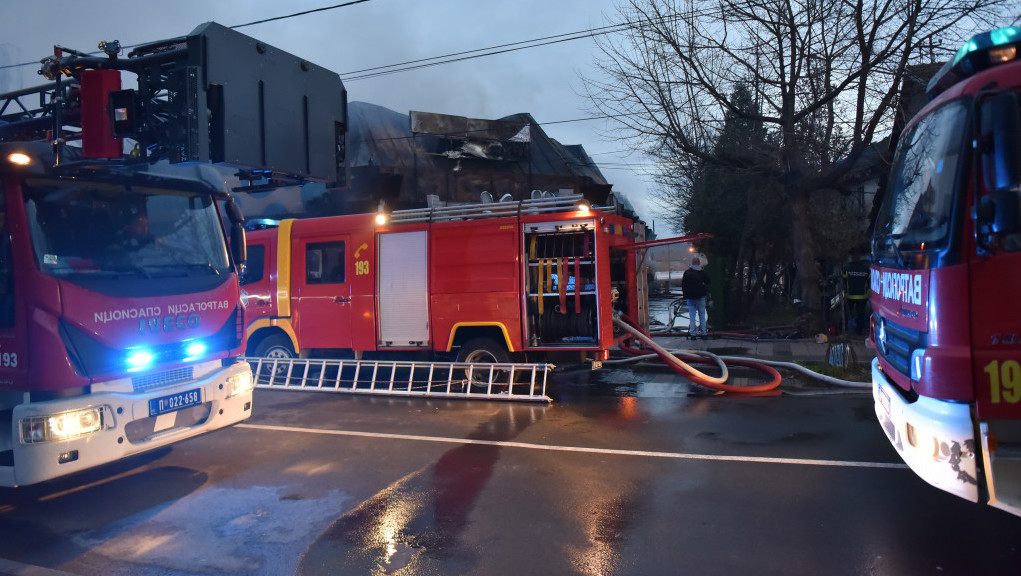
(174, 402)
(884, 400)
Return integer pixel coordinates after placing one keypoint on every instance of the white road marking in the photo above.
(610, 451)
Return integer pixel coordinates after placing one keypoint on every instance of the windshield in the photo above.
(109, 230)
(916, 212)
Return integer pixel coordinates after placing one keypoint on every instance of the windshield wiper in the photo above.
(124, 271)
(891, 244)
(203, 268)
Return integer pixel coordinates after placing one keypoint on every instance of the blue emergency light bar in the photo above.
(982, 51)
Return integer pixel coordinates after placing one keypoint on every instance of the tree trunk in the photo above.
(810, 320)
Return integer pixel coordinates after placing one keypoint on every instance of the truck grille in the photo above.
(161, 379)
(896, 343)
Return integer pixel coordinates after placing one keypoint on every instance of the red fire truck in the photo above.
(121, 325)
(492, 282)
(945, 278)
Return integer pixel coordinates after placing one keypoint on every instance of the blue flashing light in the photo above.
(987, 40)
(194, 349)
(139, 359)
(980, 52)
(1002, 36)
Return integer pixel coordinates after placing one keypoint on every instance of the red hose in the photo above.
(698, 377)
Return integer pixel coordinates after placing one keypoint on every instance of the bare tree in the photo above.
(825, 76)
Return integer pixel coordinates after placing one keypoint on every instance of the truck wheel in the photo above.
(275, 346)
(488, 351)
(482, 350)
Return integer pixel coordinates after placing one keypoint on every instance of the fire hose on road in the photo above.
(678, 361)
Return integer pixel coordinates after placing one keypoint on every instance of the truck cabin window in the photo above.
(924, 179)
(99, 229)
(255, 266)
(324, 263)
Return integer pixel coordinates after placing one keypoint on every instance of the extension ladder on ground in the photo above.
(513, 381)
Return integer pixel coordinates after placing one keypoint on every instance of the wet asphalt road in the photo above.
(625, 473)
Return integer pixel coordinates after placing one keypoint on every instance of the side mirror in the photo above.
(1000, 143)
(238, 247)
(234, 213)
(1001, 149)
(1008, 206)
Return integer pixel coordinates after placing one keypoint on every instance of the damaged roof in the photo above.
(456, 158)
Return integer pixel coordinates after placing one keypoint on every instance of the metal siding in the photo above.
(403, 289)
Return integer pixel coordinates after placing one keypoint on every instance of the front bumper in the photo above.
(128, 427)
(935, 438)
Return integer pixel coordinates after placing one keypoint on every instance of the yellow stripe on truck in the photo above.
(506, 336)
(284, 268)
(281, 323)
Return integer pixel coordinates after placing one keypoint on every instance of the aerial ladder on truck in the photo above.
(121, 319)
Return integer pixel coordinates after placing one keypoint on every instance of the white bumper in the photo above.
(128, 428)
(934, 437)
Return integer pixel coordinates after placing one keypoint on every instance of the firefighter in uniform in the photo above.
(856, 293)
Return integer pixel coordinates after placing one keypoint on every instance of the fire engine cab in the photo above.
(946, 276)
(121, 324)
(487, 282)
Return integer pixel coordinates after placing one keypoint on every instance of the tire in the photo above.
(483, 350)
(275, 346)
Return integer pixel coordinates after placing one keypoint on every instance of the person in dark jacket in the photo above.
(694, 284)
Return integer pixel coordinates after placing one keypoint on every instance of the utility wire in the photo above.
(434, 60)
(312, 11)
(479, 52)
(273, 19)
(498, 49)
(438, 60)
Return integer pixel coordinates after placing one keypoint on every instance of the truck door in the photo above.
(13, 357)
(256, 282)
(322, 307)
(403, 290)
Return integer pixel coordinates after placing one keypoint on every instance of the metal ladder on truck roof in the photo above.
(456, 212)
(467, 380)
(492, 209)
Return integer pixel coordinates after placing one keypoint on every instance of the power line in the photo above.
(273, 19)
(443, 59)
(312, 11)
(479, 52)
(500, 49)
(434, 60)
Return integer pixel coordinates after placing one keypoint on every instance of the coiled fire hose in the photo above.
(701, 378)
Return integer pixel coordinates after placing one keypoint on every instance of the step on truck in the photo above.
(121, 324)
(946, 276)
(507, 281)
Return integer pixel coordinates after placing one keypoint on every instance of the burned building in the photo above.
(412, 160)
(422, 159)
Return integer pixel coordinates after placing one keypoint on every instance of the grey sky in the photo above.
(543, 81)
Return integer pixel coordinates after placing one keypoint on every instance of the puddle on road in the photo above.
(422, 516)
(625, 381)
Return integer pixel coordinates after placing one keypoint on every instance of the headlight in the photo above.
(62, 426)
(19, 159)
(239, 384)
(917, 358)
